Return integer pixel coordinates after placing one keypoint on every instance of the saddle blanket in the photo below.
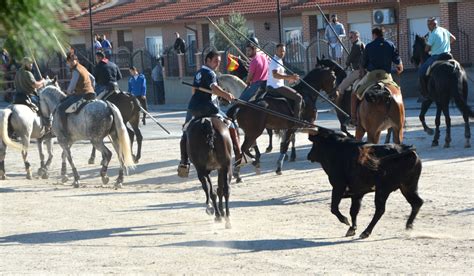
(77, 106)
(438, 62)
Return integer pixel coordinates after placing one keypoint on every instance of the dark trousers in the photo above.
(144, 104)
(160, 91)
(291, 94)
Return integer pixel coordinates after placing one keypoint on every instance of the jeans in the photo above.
(99, 88)
(160, 92)
(250, 91)
(424, 67)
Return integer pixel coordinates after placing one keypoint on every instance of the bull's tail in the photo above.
(460, 94)
(123, 142)
(4, 118)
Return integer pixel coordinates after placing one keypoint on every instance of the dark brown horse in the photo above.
(448, 81)
(210, 148)
(129, 107)
(380, 109)
(254, 121)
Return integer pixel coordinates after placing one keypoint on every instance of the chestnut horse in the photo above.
(381, 108)
(254, 121)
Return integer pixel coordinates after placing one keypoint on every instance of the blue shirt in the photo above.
(204, 78)
(440, 41)
(379, 55)
(137, 86)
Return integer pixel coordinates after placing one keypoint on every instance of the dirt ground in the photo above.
(280, 224)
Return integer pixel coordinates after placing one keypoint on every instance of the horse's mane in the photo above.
(52, 90)
(333, 63)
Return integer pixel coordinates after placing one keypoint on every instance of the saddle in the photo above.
(77, 106)
(272, 94)
(377, 90)
(203, 119)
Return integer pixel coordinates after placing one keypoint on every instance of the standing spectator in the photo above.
(5, 57)
(106, 46)
(179, 44)
(157, 76)
(137, 86)
(97, 44)
(335, 47)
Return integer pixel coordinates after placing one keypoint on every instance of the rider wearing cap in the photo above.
(26, 85)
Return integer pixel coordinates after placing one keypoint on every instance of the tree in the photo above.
(30, 25)
(237, 20)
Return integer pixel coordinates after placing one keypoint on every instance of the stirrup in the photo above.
(183, 170)
(245, 160)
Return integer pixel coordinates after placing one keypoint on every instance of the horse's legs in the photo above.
(67, 149)
(223, 190)
(131, 136)
(424, 108)
(205, 187)
(49, 147)
(64, 177)
(270, 140)
(92, 158)
(293, 149)
(389, 135)
(447, 118)
(24, 153)
(373, 137)
(284, 149)
(397, 135)
(39, 143)
(3, 151)
(213, 196)
(138, 133)
(106, 156)
(119, 180)
(381, 197)
(437, 123)
(257, 155)
(355, 207)
(467, 130)
(248, 142)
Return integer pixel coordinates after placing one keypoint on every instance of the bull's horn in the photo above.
(311, 131)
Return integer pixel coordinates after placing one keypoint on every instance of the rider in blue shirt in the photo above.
(203, 105)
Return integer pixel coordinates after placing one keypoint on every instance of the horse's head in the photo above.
(419, 53)
(231, 84)
(50, 96)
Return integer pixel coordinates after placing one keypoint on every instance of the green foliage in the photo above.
(237, 20)
(29, 25)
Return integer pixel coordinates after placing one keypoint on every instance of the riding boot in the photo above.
(183, 168)
(239, 156)
(354, 105)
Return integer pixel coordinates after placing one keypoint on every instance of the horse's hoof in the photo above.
(105, 180)
(228, 225)
(210, 210)
(345, 221)
(467, 144)
(28, 176)
(76, 184)
(64, 179)
(434, 144)
(278, 172)
(238, 180)
(2, 175)
(45, 175)
(293, 159)
(218, 219)
(41, 171)
(446, 145)
(409, 226)
(91, 161)
(136, 161)
(118, 184)
(429, 131)
(268, 150)
(364, 235)
(351, 232)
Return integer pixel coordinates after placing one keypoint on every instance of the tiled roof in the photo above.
(128, 12)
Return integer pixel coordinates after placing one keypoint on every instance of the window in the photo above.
(293, 35)
(365, 30)
(418, 26)
(321, 22)
(154, 45)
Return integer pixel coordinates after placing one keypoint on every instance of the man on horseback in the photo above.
(81, 86)
(202, 105)
(277, 77)
(26, 85)
(354, 60)
(377, 60)
(439, 43)
(106, 73)
(258, 71)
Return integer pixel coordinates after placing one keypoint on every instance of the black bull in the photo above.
(355, 168)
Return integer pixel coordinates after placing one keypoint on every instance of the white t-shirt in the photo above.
(275, 64)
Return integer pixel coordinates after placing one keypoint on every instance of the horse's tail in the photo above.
(460, 94)
(4, 117)
(210, 133)
(124, 147)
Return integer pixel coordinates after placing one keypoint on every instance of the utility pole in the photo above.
(91, 30)
(279, 20)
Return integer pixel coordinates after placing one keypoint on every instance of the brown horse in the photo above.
(380, 109)
(254, 121)
(210, 148)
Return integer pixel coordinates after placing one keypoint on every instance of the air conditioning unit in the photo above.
(383, 16)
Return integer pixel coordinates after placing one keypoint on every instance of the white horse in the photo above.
(27, 125)
(93, 122)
